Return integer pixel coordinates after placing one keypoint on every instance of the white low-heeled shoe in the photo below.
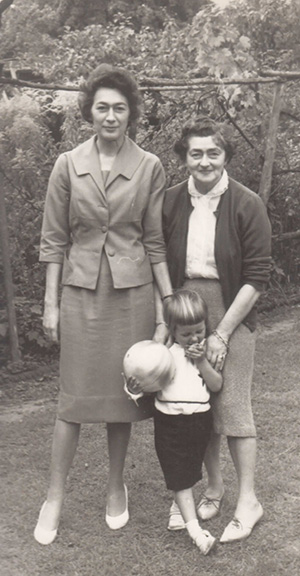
(236, 530)
(41, 535)
(117, 522)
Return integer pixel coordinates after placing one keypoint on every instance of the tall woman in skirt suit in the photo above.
(218, 241)
(102, 239)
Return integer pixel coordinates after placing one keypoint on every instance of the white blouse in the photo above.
(187, 393)
(200, 261)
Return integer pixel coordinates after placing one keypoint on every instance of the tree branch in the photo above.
(290, 115)
(289, 171)
(285, 236)
(242, 133)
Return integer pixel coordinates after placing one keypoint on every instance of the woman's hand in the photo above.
(51, 322)
(216, 352)
(51, 310)
(162, 334)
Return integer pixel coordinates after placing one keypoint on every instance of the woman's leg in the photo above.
(243, 453)
(215, 488)
(65, 441)
(118, 435)
(248, 510)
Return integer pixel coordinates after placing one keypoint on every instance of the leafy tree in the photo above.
(27, 153)
(273, 26)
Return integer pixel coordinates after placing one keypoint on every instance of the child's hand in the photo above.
(196, 351)
(133, 385)
(132, 388)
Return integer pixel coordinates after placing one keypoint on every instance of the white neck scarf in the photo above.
(218, 189)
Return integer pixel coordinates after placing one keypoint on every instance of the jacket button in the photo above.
(111, 252)
(104, 228)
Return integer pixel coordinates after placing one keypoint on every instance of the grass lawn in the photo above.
(86, 547)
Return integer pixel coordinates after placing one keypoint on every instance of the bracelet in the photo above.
(165, 297)
(223, 340)
(161, 322)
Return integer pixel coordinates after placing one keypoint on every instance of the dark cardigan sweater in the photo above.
(242, 241)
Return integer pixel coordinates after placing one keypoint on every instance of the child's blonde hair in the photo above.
(184, 307)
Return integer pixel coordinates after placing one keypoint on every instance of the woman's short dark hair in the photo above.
(108, 76)
(204, 126)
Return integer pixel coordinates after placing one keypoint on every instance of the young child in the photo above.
(182, 419)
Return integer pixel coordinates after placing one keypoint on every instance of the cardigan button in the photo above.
(104, 229)
(111, 253)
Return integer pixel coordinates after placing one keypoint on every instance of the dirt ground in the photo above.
(147, 549)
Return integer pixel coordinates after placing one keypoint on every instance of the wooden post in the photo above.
(270, 149)
(8, 282)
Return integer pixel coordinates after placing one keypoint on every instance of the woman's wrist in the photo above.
(164, 298)
(221, 338)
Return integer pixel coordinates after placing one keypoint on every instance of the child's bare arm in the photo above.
(212, 378)
(197, 353)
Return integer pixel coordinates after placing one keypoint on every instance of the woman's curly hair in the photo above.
(108, 76)
(204, 126)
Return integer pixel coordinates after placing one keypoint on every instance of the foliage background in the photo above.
(63, 41)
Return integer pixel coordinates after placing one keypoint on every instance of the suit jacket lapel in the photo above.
(86, 161)
(126, 162)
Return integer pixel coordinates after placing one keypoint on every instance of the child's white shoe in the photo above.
(204, 541)
(201, 538)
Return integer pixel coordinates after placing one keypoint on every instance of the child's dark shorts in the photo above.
(180, 443)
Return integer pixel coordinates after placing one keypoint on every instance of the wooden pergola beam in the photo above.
(282, 74)
(156, 84)
(270, 147)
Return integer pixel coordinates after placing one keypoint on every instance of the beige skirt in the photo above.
(97, 327)
(232, 411)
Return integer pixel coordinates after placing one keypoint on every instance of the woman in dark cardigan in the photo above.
(218, 240)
